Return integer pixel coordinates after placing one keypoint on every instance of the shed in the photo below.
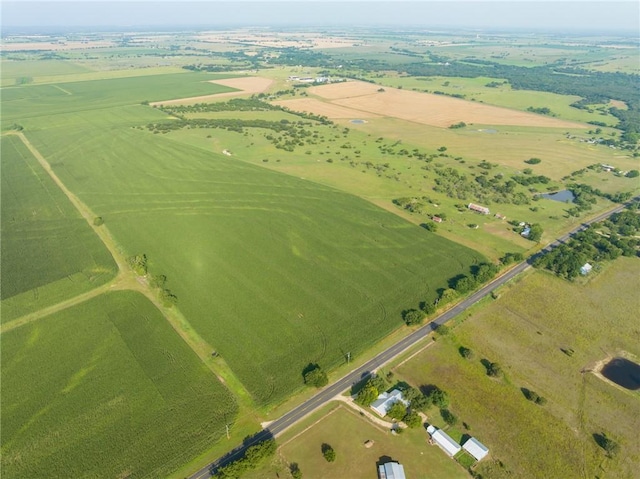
(386, 400)
(585, 269)
(391, 470)
(475, 448)
(446, 443)
(480, 209)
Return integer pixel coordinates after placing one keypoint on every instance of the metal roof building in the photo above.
(475, 448)
(386, 400)
(391, 470)
(446, 443)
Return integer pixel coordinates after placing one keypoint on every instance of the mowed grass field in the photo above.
(524, 331)
(49, 253)
(346, 432)
(105, 389)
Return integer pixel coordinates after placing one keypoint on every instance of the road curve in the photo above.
(325, 395)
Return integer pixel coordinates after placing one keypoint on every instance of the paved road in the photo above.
(325, 395)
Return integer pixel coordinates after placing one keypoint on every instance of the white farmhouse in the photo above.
(386, 400)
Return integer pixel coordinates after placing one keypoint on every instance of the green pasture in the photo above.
(49, 253)
(105, 389)
(290, 267)
(19, 103)
(346, 432)
(525, 331)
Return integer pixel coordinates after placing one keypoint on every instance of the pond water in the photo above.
(564, 196)
(357, 122)
(623, 372)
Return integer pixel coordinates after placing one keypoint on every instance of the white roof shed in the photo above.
(475, 448)
(446, 443)
(391, 470)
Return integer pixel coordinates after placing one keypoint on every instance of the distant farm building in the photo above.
(526, 232)
(391, 470)
(480, 209)
(444, 441)
(585, 269)
(475, 448)
(437, 219)
(386, 400)
(607, 167)
(501, 217)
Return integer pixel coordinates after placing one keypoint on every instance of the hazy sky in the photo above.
(585, 16)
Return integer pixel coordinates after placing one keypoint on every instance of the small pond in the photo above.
(623, 372)
(564, 196)
(357, 122)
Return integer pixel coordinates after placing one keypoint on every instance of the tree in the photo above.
(428, 308)
(397, 411)
(533, 161)
(433, 227)
(412, 419)
(98, 221)
(443, 330)
(633, 174)
(609, 445)
(494, 370)
(535, 233)
(448, 295)
(439, 398)
(464, 284)
(315, 376)
(367, 395)
(328, 452)
(413, 317)
(465, 352)
(296, 473)
(448, 417)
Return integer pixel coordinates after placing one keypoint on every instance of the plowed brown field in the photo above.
(329, 110)
(434, 110)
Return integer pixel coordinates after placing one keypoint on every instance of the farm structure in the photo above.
(475, 448)
(444, 441)
(386, 400)
(391, 470)
(480, 209)
(585, 269)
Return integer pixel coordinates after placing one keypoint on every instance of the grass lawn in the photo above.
(49, 253)
(347, 432)
(105, 389)
(524, 331)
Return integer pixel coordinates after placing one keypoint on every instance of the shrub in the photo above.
(533, 161)
(466, 352)
(412, 419)
(98, 221)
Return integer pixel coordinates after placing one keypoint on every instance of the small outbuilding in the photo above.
(391, 470)
(445, 442)
(478, 208)
(585, 269)
(475, 448)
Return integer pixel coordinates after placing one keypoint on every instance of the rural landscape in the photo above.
(293, 251)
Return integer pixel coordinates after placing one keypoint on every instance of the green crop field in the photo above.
(525, 331)
(105, 389)
(19, 103)
(48, 250)
(258, 254)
